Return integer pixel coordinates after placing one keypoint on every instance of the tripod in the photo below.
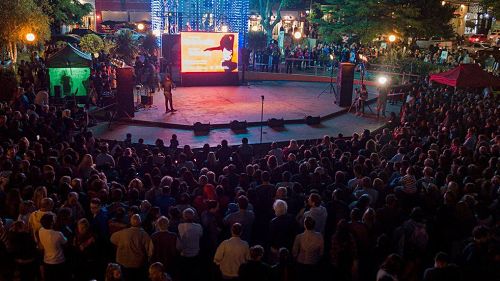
(331, 88)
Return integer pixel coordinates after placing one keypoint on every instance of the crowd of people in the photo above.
(419, 200)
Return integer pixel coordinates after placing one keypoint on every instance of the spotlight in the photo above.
(141, 27)
(297, 35)
(392, 38)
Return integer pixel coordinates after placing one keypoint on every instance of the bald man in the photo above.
(133, 249)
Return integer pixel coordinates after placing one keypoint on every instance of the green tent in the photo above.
(69, 72)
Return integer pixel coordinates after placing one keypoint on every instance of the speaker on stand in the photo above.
(124, 93)
(345, 84)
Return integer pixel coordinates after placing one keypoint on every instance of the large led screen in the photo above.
(209, 52)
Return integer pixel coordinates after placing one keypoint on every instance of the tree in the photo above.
(150, 43)
(257, 40)
(20, 17)
(368, 19)
(265, 8)
(64, 11)
(125, 46)
(91, 43)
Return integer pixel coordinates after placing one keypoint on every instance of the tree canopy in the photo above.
(20, 17)
(369, 18)
(65, 11)
(91, 43)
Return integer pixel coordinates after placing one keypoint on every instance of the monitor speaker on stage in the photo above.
(125, 91)
(345, 81)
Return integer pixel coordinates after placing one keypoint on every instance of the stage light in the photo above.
(382, 80)
(30, 37)
(224, 28)
(156, 32)
(255, 28)
(392, 38)
(297, 35)
(141, 26)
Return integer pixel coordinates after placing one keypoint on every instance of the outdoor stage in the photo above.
(219, 105)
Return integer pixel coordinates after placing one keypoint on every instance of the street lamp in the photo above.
(30, 37)
(382, 80)
(297, 35)
(141, 27)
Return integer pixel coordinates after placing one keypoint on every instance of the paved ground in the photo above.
(346, 123)
(223, 104)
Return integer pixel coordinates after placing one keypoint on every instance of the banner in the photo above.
(209, 52)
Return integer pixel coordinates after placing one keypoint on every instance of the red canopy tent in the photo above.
(466, 75)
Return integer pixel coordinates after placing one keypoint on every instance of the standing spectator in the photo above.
(317, 212)
(307, 250)
(52, 243)
(442, 270)
(157, 272)
(243, 216)
(232, 253)
(245, 151)
(133, 249)
(255, 269)
(190, 234)
(282, 229)
(164, 244)
(390, 269)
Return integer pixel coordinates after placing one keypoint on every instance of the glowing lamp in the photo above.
(331, 57)
(224, 28)
(382, 80)
(443, 3)
(392, 38)
(141, 26)
(30, 37)
(297, 35)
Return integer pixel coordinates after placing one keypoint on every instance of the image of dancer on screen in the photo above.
(226, 46)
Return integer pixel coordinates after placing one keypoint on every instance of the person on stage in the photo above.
(363, 97)
(168, 85)
(382, 101)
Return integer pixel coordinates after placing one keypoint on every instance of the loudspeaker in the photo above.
(147, 100)
(201, 129)
(345, 81)
(125, 91)
(276, 123)
(238, 126)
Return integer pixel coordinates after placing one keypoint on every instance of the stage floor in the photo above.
(223, 104)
